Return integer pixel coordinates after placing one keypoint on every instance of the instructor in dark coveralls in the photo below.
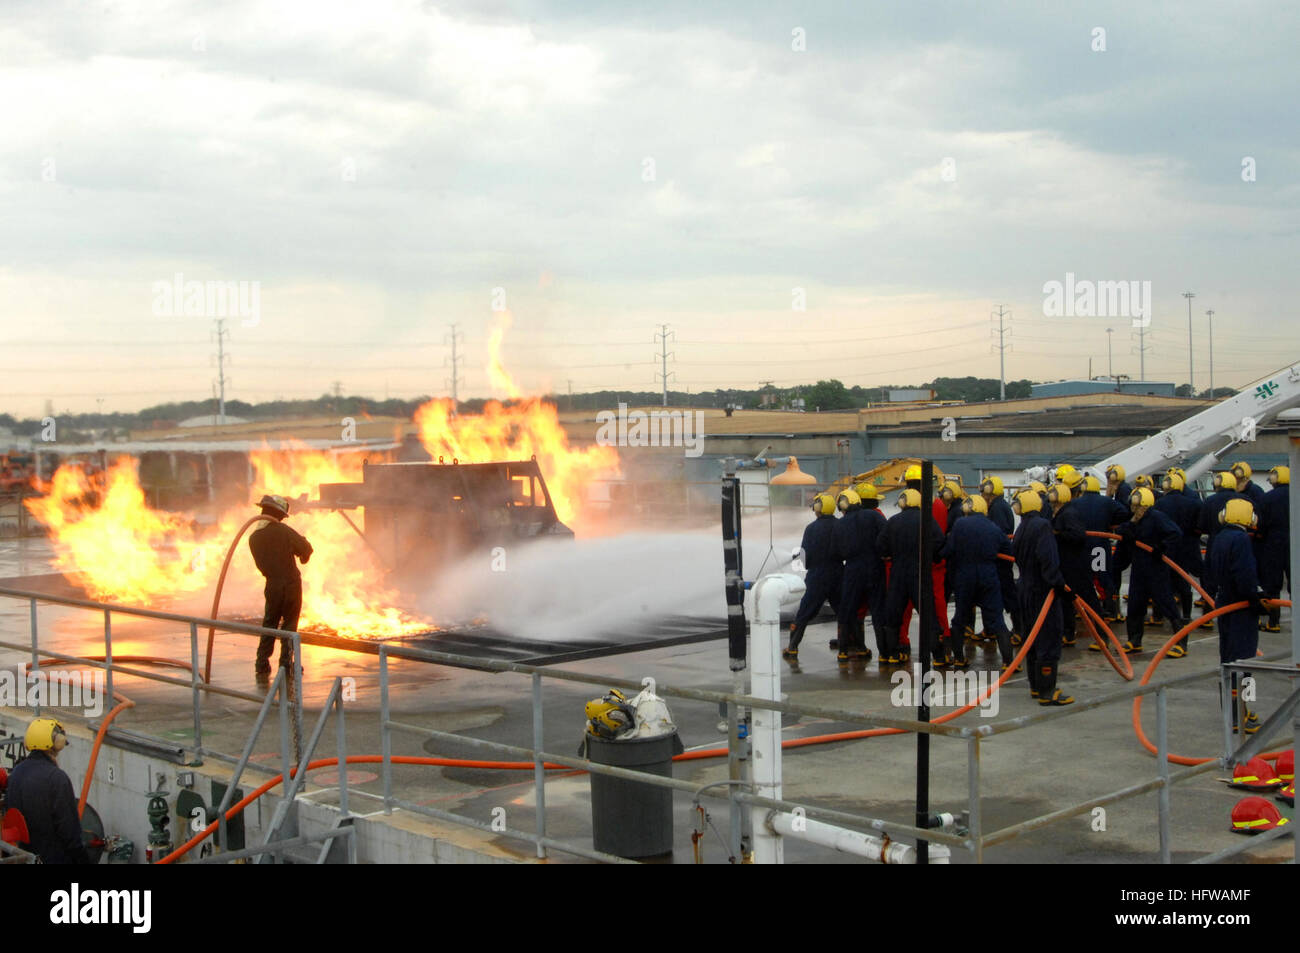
(274, 547)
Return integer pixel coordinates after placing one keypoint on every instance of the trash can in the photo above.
(629, 819)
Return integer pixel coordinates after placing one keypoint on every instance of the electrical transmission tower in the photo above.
(455, 338)
(1142, 348)
(222, 335)
(1002, 332)
(662, 337)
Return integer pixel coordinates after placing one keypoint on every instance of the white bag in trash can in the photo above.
(652, 716)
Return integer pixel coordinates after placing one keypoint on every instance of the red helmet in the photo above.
(1285, 765)
(1255, 775)
(1286, 794)
(1254, 815)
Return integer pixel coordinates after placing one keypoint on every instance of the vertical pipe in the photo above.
(737, 847)
(1226, 704)
(1293, 461)
(973, 782)
(1162, 758)
(108, 652)
(734, 571)
(36, 658)
(296, 687)
(342, 748)
(285, 702)
(539, 771)
(926, 643)
(385, 736)
(196, 696)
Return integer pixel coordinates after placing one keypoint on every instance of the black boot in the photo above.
(796, 636)
(860, 650)
(844, 635)
(1048, 693)
(887, 642)
(1004, 648)
(1031, 672)
(1179, 648)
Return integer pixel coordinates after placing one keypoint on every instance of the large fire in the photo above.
(123, 550)
(525, 428)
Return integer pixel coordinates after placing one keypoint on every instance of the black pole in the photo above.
(735, 578)
(925, 617)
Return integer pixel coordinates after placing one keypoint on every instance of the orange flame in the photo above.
(125, 551)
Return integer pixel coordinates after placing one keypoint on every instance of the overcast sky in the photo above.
(378, 168)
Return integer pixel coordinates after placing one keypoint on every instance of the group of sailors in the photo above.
(1070, 541)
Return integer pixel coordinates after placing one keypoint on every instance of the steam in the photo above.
(606, 587)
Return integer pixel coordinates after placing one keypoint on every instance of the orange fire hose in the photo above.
(123, 704)
(1159, 657)
(528, 765)
(1177, 568)
(216, 595)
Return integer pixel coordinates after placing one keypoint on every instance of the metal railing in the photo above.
(975, 840)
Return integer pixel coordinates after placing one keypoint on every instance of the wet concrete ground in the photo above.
(1025, 773)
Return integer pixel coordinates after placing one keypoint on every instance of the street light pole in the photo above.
(1110, 364)
(1191, 384)
(1209, 315)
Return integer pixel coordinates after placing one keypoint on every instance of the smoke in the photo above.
(606, 587)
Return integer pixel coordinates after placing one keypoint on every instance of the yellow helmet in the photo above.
(1173, 482)
(951, 490)
(992, 486)
(1037, 487)
(912, 473)
(1279, 476)
(1059, 493)
(1115, 473)
(1142, 480)
(1142, 498)
(974, 504)
(45, 734)
(823, 504)
(1180, 471)
(610, 715)
(847, 499)
(1238, 513)
(1073, 479)
(1091, 484)
(1225, 481)
(908, 499)
(1241, 470)
(1063, 471)
(866, 491)
(1027, 501)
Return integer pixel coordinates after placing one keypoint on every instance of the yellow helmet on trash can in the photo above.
(610, 715)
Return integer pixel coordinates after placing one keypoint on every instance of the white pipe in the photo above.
(851, 842)
(768, 594)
